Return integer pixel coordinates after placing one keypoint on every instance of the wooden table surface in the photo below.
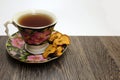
(87, 58)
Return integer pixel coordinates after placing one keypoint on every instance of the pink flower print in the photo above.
(44, 39)
(47, 32)
(17, 42)
(36, 37)
(37, 41)
(40, 40)
(26, 36)
(30, 41)
(35, 58)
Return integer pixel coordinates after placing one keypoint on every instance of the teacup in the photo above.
(35, 26)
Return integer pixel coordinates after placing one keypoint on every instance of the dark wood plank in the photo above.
(87, 58)
(113, 46)
(102, 64)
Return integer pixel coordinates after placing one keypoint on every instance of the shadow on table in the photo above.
(15, 63)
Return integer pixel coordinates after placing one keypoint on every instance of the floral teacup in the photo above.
(35, 27)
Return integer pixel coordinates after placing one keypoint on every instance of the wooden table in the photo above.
(87, 58)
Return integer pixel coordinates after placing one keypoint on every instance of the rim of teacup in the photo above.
(48, 13)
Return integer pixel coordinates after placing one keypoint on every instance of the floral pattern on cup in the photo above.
(36, 37)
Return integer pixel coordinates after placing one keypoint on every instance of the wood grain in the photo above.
(87, 58)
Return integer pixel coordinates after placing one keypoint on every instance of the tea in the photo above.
(35, 20)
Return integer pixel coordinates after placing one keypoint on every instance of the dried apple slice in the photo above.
(59, 51)
(64, 39)
(55, 36)
(49, 50)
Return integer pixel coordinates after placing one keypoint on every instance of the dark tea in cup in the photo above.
(35, 20)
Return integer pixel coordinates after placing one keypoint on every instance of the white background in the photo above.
(75, 17)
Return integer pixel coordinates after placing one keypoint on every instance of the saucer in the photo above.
(15, 46)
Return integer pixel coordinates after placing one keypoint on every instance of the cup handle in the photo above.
(6, 26)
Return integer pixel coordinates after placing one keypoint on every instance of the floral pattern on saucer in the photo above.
(15, 48)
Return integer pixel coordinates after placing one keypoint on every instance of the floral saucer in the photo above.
(15, 48)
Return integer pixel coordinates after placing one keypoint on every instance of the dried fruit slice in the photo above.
(64, 39)
(55, 36)
(59, 51)
(49, 50)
